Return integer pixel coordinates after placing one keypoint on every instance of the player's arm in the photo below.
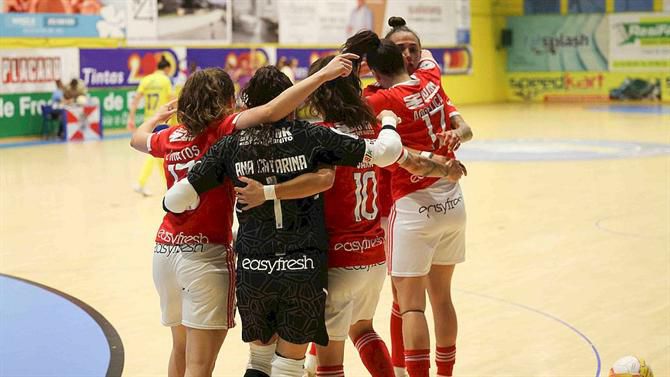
(335, 148)
(302, 186)
(142, 134)
(208, 173)
(291, 98)
(453, 138)
(419, 165)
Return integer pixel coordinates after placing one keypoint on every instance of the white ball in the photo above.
(627, 364)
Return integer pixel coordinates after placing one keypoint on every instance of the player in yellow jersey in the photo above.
(156, 89)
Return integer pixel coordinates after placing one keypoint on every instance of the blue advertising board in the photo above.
(102, 68)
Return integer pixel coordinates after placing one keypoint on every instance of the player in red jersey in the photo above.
(193, 259)
(427, 223)
(420, 62)
(356, 255)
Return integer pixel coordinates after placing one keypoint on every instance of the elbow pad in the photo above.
(387, 148)
(181, 197)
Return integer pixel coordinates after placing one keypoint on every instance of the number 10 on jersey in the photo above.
(362, 181)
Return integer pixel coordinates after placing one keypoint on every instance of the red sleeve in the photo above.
(157, 143)
(227, 126)
(377, 102)
(429, 70)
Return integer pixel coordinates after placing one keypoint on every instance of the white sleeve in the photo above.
(387, 148)
(181, 197)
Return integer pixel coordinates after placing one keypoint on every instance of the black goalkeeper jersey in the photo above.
(292, 148)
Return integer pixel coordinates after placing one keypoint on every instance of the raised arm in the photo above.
(140, 138)
(291, 98)
(302, 186)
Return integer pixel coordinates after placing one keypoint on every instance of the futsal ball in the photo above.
(630, 366)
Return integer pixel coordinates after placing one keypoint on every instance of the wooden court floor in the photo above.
(568, 259)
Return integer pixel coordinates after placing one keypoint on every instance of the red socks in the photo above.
(397, 346)
(374, 354)
(330, 371)
(417, 362)
(312, 349)
(445, 357)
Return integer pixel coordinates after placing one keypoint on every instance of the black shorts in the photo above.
(283, 295)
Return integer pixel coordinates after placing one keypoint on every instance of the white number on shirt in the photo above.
(361, 211)
(174, 169)
(429, 124)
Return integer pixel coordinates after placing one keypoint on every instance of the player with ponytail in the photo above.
(424, 243)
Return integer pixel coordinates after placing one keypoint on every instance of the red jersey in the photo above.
(351, 211)
(425, 110)
(212, 221)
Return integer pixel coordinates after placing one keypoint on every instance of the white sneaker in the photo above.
(141, 190)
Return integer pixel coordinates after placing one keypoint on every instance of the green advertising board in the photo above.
(21, 114)
(115, 103)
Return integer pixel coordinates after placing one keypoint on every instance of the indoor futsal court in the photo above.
(567, 242)
(567, 267)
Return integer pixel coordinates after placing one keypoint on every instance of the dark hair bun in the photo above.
(396, 22)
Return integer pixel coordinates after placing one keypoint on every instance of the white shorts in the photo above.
(196, 285)
(427, 227)
(353, 294)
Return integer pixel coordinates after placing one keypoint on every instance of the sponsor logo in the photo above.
(30, 69)
(418, 100)
(180, 134)
(278, 265)
(648, 33)
(359, 246)
(281, 135)
(364, 268)
(168, 250)
(529, 87)
(106, 77)
(551, 44)
(181, 238)
(440, 208)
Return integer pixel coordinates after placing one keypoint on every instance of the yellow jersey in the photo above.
(157, 91)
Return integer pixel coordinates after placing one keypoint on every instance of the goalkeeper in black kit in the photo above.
(281, 244)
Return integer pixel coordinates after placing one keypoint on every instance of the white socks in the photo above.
(260, 357)
(283, 367)
(310, 364)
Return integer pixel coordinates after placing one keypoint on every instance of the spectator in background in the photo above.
(360, 19)
(286, 67)
(75, 92)
(57, 102)
(57, 95)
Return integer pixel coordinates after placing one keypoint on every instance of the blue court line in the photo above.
(632, 109)
(32, 143)
(544, 314)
